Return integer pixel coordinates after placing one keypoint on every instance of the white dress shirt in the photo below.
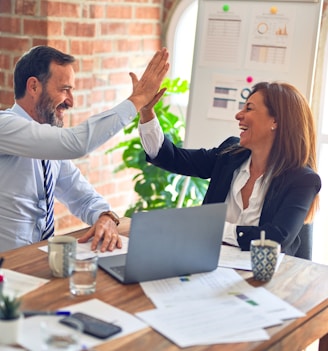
(152, 138)
(23, 143)
(236, 215)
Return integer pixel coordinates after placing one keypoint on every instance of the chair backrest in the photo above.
(306, 234)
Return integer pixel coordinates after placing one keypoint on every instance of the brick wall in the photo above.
(108, 39)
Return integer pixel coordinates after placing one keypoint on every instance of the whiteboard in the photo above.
(240, 43)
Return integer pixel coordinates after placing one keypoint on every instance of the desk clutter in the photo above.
(199, 309)
(209, 308)
(93, 307)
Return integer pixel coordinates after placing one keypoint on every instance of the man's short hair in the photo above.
(36, 63)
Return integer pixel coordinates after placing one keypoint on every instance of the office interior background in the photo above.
(110, 38)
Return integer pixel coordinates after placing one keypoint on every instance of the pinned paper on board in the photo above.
(244, 42)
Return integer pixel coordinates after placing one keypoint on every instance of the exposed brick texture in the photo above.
(108, 39)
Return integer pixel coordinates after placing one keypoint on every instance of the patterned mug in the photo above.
(264, 257)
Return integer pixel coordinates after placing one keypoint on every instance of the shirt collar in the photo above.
(20, 112)
(245, 166)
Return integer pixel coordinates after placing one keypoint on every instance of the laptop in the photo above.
(171, 242)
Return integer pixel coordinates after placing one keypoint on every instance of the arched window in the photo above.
(180, 37)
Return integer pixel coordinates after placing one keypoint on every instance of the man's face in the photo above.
(56, 96)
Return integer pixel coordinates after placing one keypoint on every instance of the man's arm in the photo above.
(80, 197)
(75, 142)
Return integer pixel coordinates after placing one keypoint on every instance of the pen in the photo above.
(46, 313)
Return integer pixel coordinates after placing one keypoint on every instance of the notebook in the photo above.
(169, 242)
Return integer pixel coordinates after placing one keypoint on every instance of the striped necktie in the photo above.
(49, 192)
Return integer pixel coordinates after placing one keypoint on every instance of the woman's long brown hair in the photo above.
(295, 143)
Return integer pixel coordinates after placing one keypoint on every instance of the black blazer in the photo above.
(286, 203)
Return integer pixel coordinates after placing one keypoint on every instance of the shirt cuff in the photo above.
(127, 112)
(230, 234)
(152, 137)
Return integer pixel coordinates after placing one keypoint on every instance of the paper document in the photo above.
(83, 250)
(262, 299)
(30, 337)
(170, 291)
(19, 284)
(209, 321)
(219, 284)
(233, 257)
(217, 301)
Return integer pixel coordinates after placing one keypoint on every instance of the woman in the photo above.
(267, 176)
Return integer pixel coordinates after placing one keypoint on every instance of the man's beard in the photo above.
(46, 112)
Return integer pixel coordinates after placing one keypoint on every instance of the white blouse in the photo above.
(152, 138)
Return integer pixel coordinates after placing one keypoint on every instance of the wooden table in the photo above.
(302, 283)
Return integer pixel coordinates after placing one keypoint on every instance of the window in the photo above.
(180, 39)
(320, 237)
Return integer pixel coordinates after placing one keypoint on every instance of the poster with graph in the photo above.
(239, 43)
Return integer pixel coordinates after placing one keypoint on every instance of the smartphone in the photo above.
(92, 326)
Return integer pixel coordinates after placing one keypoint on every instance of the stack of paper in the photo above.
(18, 284)
(211, 308)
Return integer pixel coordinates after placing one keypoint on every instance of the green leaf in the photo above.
(156, 188)
(9, 307)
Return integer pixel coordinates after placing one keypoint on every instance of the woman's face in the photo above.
(257, 126)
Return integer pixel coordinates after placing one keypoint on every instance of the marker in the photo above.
(46, 313)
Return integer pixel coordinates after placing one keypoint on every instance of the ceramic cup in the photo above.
(60, 249)
(264, 257)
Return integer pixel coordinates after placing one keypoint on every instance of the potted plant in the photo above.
(155, 187)
(10, 319)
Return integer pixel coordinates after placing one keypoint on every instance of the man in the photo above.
(29, 134)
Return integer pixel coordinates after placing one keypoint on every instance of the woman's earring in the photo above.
(273, 128)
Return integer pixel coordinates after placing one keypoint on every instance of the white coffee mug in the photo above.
(60, 248)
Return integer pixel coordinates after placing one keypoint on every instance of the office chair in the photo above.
(306, 234)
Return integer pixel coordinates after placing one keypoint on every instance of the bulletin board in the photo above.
(240, 43)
